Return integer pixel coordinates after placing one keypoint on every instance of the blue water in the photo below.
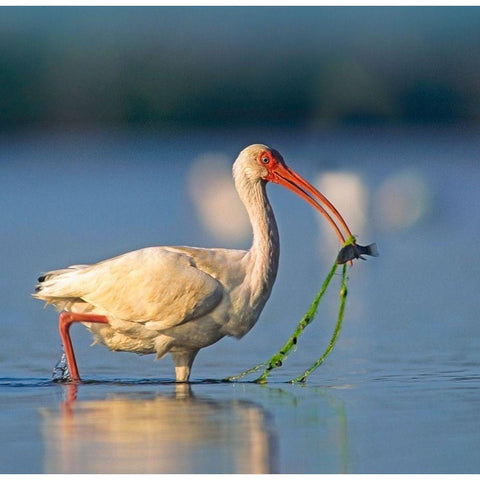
(399, 394)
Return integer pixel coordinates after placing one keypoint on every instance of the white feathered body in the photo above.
(159, 298)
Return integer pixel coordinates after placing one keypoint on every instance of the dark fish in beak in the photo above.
(352, 250)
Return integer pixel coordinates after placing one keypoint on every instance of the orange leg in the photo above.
(64, 322)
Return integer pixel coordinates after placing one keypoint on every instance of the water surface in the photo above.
(399, 394)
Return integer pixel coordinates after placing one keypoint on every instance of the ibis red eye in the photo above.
(265, 160)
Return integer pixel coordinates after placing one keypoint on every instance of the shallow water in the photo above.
(399, 394)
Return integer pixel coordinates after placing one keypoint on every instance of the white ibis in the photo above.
(178, 300)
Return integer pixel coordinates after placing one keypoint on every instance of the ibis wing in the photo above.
(153, 286)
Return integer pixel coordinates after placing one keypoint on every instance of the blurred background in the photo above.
(166, 67)
(118, 130)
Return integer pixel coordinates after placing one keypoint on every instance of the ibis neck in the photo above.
(264, 254)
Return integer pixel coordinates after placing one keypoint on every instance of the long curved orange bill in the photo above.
(288, 178)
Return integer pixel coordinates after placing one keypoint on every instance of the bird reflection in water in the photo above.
(154, 433)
